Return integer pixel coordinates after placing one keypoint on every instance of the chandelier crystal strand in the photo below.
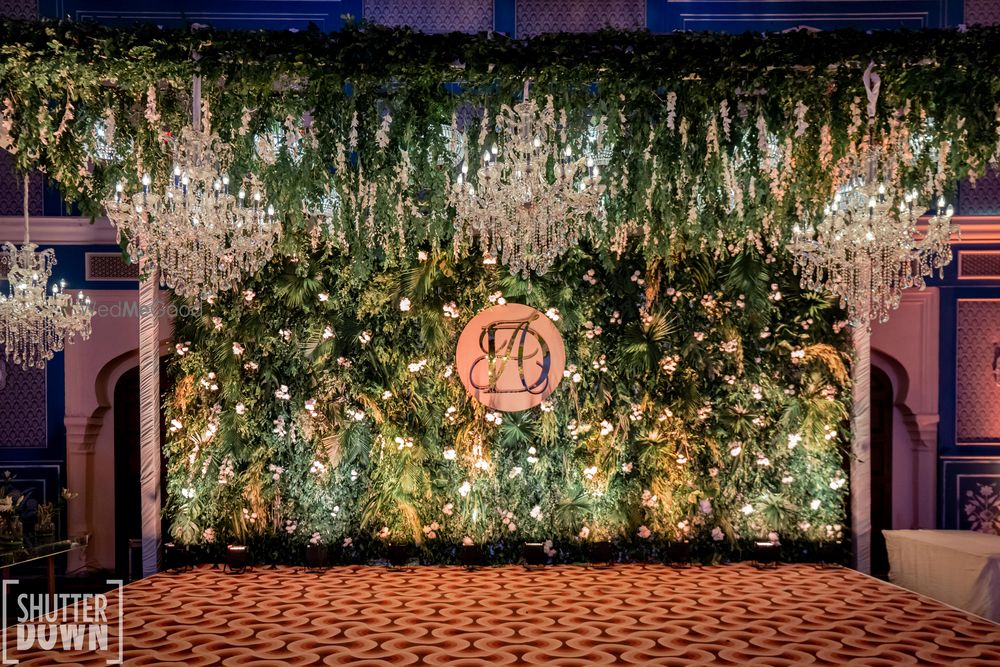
(204, 234)
(532, 199)
(869, 246)
(35, 324)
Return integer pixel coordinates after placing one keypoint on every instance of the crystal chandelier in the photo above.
(204, 237)
(34, 324)
(530, 201)
(868, 247)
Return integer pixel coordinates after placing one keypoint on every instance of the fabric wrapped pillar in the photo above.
(861, 486)
(149, 417)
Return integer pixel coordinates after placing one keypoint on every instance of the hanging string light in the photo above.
(869, 247)
(531, 199)
(34, 322)
(204, 234)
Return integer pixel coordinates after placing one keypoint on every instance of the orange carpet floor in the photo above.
(560, 615)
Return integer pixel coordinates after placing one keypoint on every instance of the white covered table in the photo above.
(957, 567)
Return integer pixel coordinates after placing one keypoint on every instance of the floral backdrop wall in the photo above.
(705, 400)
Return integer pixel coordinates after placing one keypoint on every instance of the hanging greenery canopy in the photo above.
(711, 139)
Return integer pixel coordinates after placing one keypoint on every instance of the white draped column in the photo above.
(861, 485)
(149, 417)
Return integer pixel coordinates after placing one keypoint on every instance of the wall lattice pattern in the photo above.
(982, 12)
(433, 15)
(22, 406)
(10, 189)
(535, 17)
(977, 385)
(19, 9)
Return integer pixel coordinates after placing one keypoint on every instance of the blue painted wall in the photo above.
(961, 467)
(661, 15)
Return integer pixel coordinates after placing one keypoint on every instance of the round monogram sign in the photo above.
(510, 357)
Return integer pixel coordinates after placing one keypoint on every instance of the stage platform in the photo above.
(558, 615)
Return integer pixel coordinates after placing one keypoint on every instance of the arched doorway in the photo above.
(882, 399)
(128, 506)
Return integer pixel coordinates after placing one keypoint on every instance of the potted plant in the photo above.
(398, 554)
(471, 555)
(316, 552)
(599, 549)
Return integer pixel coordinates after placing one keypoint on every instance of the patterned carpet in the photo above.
(560, 615)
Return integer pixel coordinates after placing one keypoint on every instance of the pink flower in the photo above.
(644, 532)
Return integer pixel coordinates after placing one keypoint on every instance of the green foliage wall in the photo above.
(706, 400)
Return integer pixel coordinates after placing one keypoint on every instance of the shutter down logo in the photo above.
(510, 357)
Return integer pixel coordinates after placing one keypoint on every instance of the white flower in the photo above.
(787, 479)
(577, 378)
(747, 509)
(584, 533)
(311, 405)
(217, 323)
(421, 255)
(348, 542)
(837, 482)
(365, 337)
(606, 427)
(514, 472)
(241, 409)
(450, 310)
(448, 370)
(717, 534)
(814, 504)
(328, 333)
(282, 393)
(404, 304)
(209, 535)
(536, 513)
(317, 468)
(552, 314)
(251, 366)
(175, 425)
(511, 526)
(416, 366)
(798, 356)
(735, 449)
(182, 348)
(187, 492)
(450, 454)
(464, 489)
(323, 297)
(448, 509)
(248, 295)
(386, 395)
(773, 538)
(627, 467)
(384, 533)
(590, 472)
